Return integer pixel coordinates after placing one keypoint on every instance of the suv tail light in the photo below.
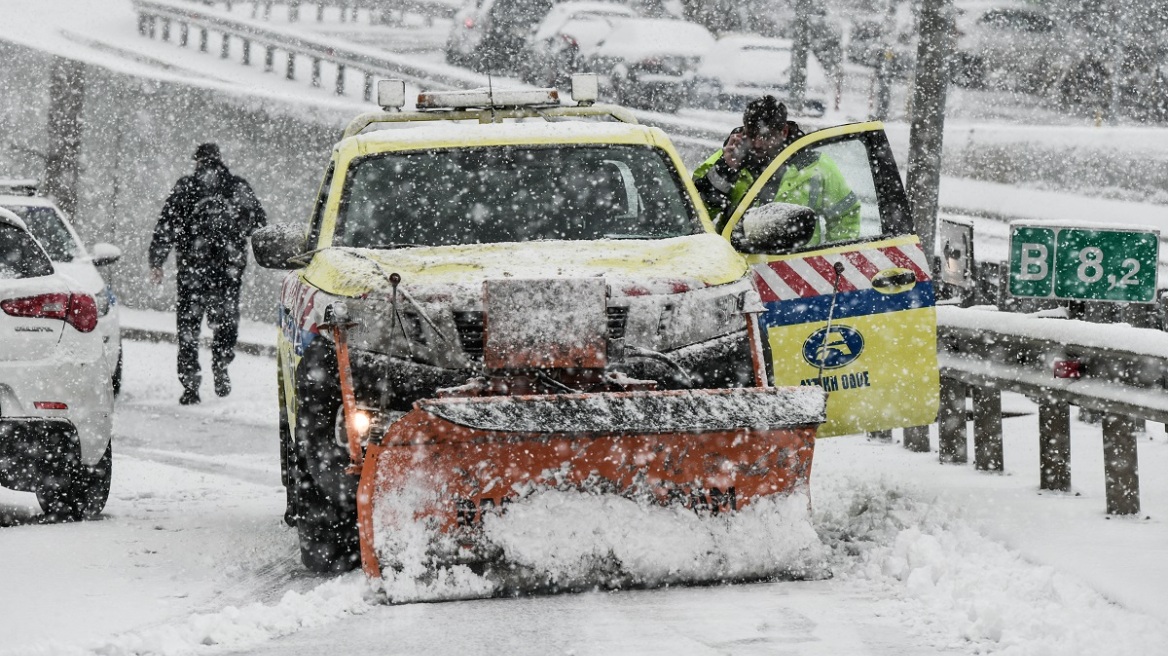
(77, 310)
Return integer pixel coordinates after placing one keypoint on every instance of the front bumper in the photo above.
(34, 450)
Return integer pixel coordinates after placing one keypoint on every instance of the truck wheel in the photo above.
(325, 493)
(328, 536)
(81, 494)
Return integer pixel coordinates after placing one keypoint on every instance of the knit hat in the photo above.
(764, 115)
(208, 152)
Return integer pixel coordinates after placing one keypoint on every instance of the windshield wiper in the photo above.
(389, 246)
(628, 236)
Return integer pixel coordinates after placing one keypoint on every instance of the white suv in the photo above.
(71, 258)
(56, 397)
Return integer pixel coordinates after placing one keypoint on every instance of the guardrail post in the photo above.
(267, 11)
(952, 430)
(320, 12)
(202, 39)
(293, 11)
(225, 47)
(291, 69)
(883, 436)
(184, 34)
(166, 29)
(143, 20)
(916, 438)
(269, 59)
(152, 25)
(356, 6)
(247, 52)
(316, 71)
(343, 9)
(1120, 465)
(368, 93)
(340, 79)
(987, 429)
(1054, 439)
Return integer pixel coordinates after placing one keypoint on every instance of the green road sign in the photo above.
(1096, 264)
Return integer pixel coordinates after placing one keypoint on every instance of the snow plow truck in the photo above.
(501, 294)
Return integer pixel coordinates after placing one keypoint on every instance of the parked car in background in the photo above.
(742, 67)
(56, 398)
(1010, 46)
(649, 62)
(489, 35)
(554, 47)
(71, 258)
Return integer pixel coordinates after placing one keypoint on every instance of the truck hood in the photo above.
(632, 266)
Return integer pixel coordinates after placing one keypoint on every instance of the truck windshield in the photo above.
(511, 194)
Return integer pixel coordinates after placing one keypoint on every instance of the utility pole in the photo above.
(928, 118)
(799, 50)
(63, 162)
(883, 73)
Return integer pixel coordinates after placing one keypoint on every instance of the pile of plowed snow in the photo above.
(571, 540)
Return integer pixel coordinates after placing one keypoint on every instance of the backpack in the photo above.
(214, 223)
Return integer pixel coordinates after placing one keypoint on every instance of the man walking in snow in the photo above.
(206, 219)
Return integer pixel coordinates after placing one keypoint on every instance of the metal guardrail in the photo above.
(1121, 375)
(428, 8)
(159, 17)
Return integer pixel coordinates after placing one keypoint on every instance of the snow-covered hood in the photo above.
(632, 266)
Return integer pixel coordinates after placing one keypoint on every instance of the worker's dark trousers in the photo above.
(215, 295)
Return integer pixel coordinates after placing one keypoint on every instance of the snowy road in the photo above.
(191, 557)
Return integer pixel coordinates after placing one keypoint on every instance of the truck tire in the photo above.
(325, 493)
(83, 492)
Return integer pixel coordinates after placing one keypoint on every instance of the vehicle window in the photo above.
(46, 226)
(840, 181)
(505, 194)
(19, 255)
(318, 210)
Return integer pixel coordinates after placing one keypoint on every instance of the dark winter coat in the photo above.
(207, 219)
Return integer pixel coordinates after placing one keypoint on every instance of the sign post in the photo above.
(1077, 263)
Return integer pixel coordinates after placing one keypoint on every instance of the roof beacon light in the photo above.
(391, 94)
(585, 88)
(484, 97)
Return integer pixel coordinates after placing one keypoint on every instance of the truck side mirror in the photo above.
(274, 245)
(776, 227)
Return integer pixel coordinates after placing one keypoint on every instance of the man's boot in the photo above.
(189, 397)
(222, 381)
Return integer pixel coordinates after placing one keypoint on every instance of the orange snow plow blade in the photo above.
(452, 463)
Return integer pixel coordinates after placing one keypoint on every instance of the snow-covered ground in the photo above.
(191, 557)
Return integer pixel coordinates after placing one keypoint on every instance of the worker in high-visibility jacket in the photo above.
(809, 178)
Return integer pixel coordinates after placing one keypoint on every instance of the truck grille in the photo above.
(470, 328)
(470, 332)
(617, 318)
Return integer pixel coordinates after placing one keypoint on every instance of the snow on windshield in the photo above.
(513, 194)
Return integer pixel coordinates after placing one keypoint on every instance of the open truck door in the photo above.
(848, 292)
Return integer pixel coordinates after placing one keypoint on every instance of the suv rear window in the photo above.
(46, 225)
(513, 194)
(20, 256)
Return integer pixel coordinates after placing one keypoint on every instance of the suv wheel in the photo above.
(81, 494)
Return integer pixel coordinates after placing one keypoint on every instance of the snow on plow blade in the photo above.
(436, 489)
